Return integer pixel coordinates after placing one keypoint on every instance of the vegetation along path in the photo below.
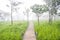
(29, 34)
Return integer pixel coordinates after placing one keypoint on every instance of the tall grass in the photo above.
(46, 31)
(12, 32)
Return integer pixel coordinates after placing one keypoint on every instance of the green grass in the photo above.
(14, 32)
(47, 32)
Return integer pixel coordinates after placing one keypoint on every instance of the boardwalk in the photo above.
(29, 34)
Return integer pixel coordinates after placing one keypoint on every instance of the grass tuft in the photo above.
(48, 32)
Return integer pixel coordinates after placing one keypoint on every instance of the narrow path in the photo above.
(29, 34)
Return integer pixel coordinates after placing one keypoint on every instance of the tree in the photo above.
(13, 4)
(4, 15)
(39, 9)
(27, 14)
(52, 8)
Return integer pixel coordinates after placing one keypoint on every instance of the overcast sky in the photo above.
(25, 4)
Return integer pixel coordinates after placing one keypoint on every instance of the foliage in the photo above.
(52, 2)
(46, 31)
(38, 9)
(14, 32)
(52, 5)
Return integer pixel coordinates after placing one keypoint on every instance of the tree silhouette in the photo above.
(27, 14)
(39, 9)
(52, 4)
(13, 4)
(4, 15)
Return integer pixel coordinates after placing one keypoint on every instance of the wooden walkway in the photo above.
(30, 34)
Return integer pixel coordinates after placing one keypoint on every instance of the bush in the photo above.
(48, 32)
(12, 32)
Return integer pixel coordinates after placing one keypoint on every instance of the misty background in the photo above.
(19, 14)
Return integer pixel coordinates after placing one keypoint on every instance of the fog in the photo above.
(19, 15)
